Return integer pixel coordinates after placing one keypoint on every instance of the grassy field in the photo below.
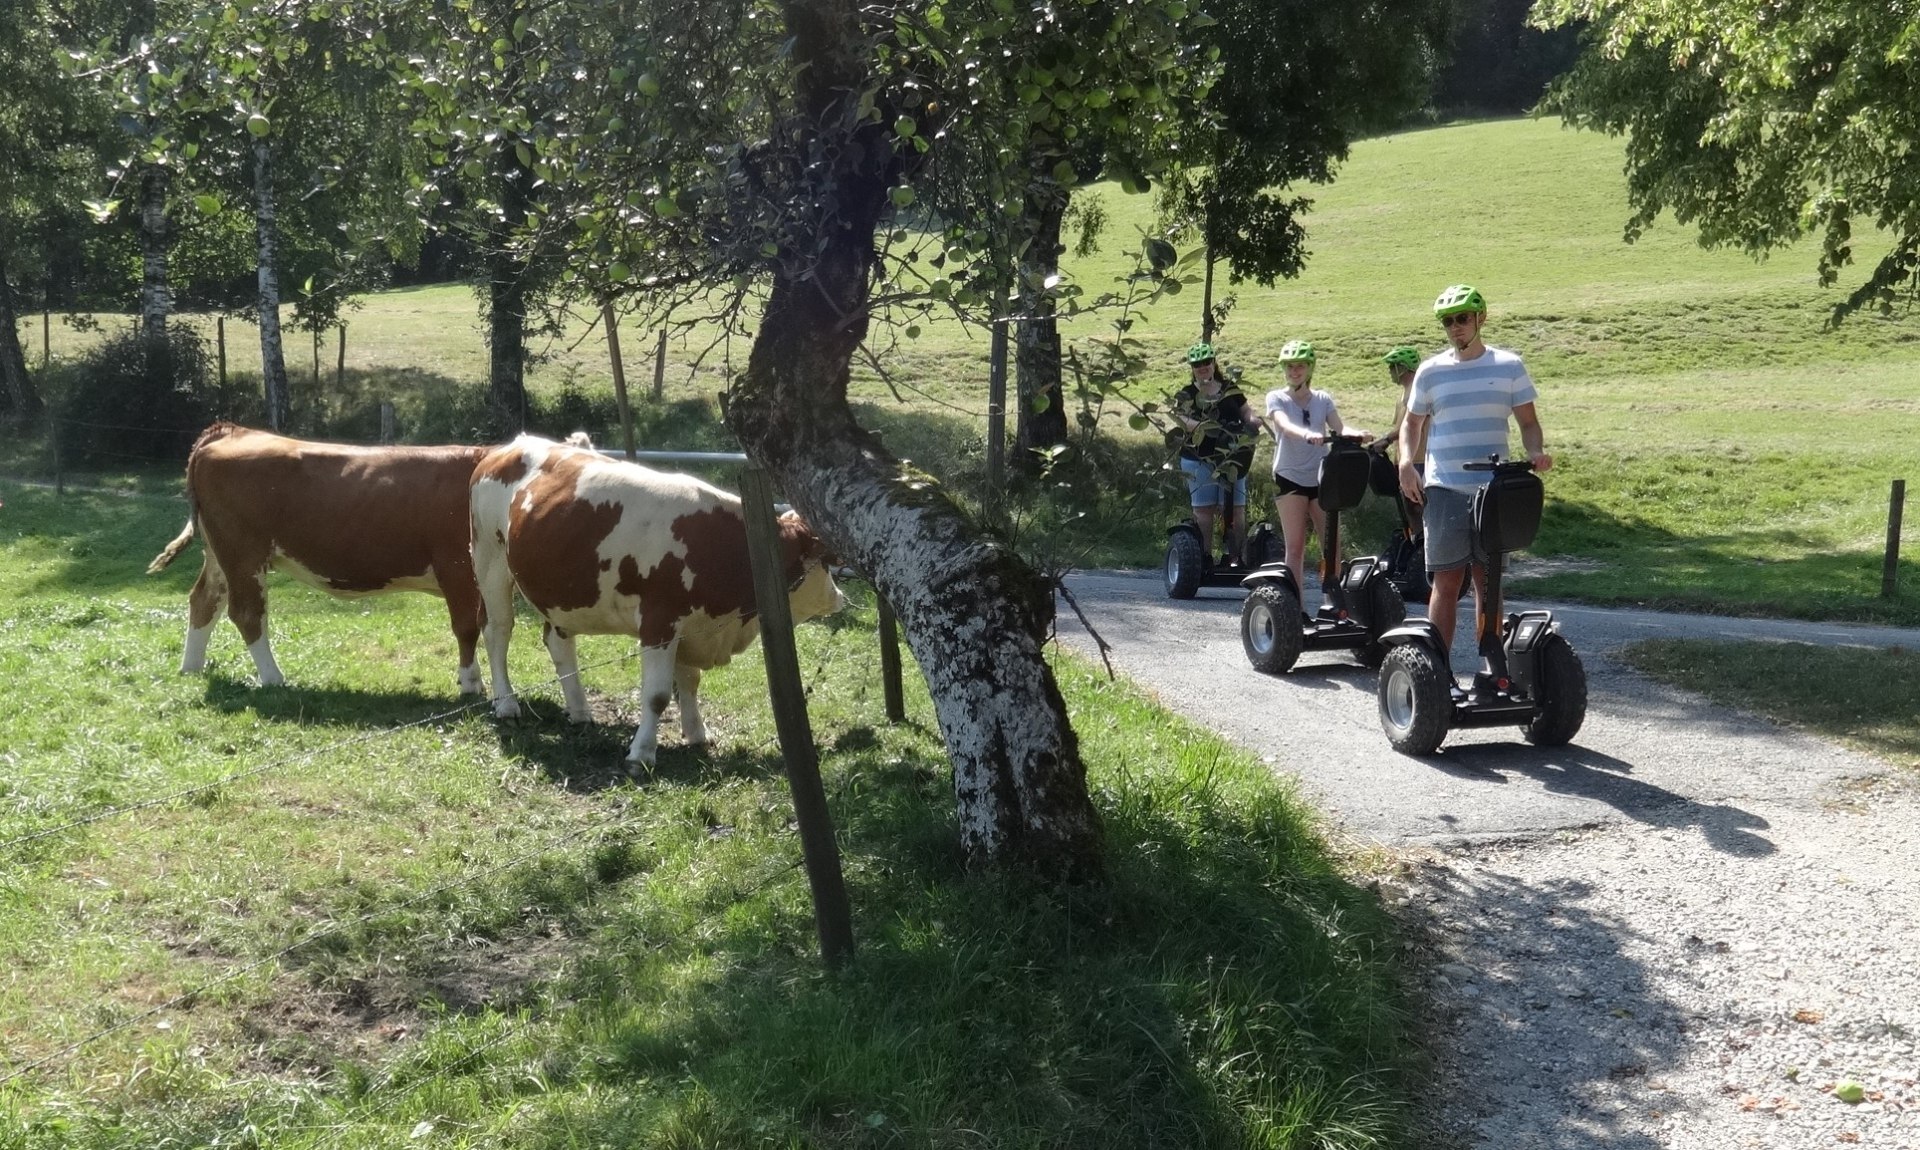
(1868, 699)
(356, 912)
(1719, 448)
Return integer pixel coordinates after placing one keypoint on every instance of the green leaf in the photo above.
(207, 204)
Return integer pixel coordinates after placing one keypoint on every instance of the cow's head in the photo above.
(811, 591)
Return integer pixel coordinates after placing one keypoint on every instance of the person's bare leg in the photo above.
(1203, 518)
(1443, 601)
(1293, 527)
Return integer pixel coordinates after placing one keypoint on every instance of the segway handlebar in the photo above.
(1502, 466)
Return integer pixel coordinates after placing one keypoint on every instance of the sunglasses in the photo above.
(1456, 318)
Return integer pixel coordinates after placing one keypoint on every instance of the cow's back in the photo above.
(349, 519)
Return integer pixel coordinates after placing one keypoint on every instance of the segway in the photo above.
(1404, 556)
(1359, 607)
(1529, 675)
(1189, 562)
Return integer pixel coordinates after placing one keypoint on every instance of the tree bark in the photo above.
(156, 234)
(1042, 419)
(976, 617)
(507, 290)
(273, 360)
(21, 399)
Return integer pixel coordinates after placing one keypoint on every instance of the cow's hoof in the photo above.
(469, 681)
(506, 708)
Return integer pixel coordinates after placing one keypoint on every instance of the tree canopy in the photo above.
(1761, 123)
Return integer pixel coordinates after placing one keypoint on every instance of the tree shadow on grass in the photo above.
(1221, 983)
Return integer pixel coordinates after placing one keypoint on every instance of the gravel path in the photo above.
(1689, 929)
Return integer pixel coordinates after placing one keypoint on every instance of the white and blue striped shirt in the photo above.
(1469, 404)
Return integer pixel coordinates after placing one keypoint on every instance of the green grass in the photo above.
(356, 914)
(1866, 698)
(1719, 448)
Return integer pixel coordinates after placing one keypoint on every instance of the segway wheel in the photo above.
(1270, 624)
(1186, 564)
(1564, 690)
(1385, 611)
(1416, 707)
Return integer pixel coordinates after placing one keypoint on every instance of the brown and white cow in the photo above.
(604, 547)
(351, 521)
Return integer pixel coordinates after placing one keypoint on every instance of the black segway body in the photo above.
(1359, 606)
(1189, 567)
(1530, 676)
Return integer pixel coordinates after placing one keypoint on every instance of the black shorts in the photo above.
(1284, 486)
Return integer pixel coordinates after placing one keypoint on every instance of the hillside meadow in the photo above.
(1720, 448)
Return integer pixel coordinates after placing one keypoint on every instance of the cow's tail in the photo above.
(180, 542)
(173, 549)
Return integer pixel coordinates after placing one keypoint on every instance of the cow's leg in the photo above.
(203, 614)
(686, 693)
(247, 607)
(656, 690)
(496, 618)
(463, 609)
(566, 664)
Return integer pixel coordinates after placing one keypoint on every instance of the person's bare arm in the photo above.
(1413, 434)
(1532, 438)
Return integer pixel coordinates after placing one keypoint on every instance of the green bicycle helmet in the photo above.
(1403, 357)
(1458, 299)
(1200, 353)
(1297, 351)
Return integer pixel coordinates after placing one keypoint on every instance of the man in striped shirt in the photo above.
(1461, 399)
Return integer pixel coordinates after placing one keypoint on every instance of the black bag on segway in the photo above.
(1383, 475)
(1506, 512)
(1344, 475)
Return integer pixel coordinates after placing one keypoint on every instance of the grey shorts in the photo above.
(1448, 523)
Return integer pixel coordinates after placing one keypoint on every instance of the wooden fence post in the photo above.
(386, 421)
(831, 915)
(1890, 574)
(220, 344)
(890, 662)
(59, 475)
(340, 362)
(612, 321)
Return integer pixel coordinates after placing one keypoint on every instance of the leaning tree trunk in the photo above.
(273, 359)
(156, 234)
(1042, 419)
(975, 615)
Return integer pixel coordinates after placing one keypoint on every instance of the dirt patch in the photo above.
(306, 1029)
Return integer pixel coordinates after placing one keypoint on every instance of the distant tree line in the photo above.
(1499, 65)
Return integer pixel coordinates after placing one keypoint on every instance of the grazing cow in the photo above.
(351, 521)
(604, 547)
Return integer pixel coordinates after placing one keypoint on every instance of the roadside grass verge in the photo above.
(359, 914)
(1866, 698)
